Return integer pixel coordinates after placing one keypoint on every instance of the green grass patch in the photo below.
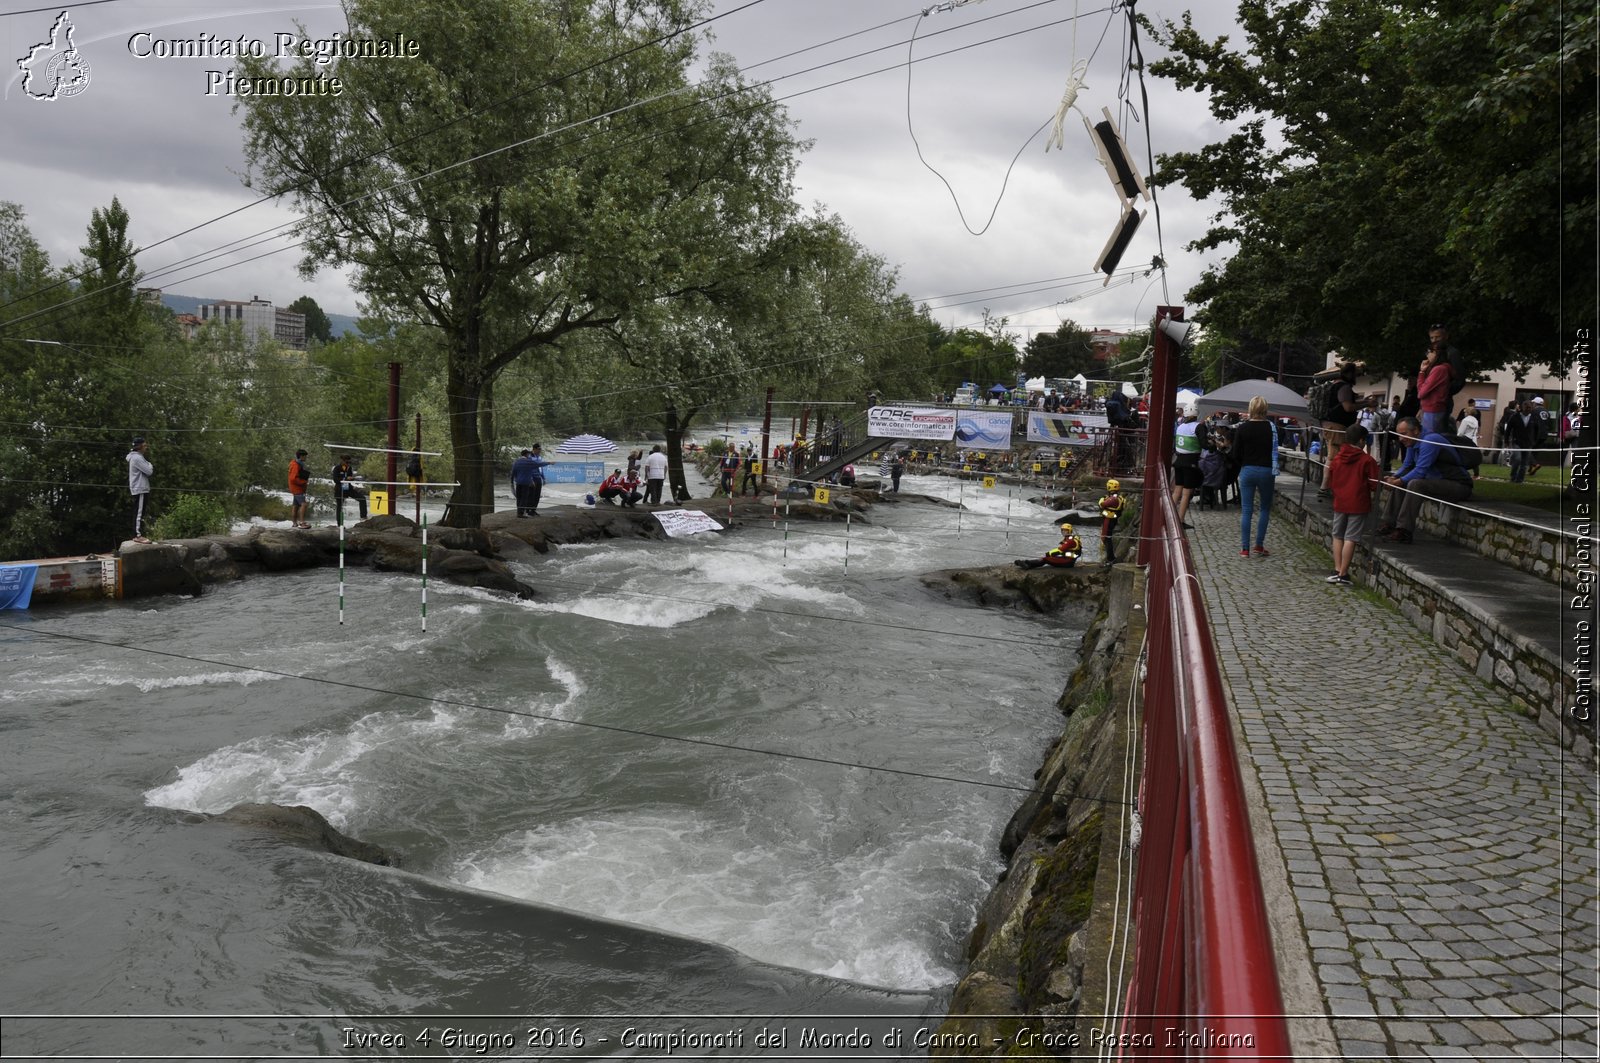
(1538, 493)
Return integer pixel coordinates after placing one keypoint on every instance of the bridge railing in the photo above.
(1205, 981)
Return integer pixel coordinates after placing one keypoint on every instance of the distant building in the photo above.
(1105, 343)
(260, 319)
(189, 325)
(149, 295)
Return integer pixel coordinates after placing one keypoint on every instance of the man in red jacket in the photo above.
(1353, 477)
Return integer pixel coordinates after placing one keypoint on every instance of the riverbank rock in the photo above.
(1042, 590)
(306, 828)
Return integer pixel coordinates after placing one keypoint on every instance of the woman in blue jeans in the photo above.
(1255, 446)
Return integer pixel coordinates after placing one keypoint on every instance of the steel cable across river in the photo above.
(546, 869)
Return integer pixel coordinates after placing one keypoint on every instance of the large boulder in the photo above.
(1044, 590)
(155, 568)
(282, 550)
(306, 828)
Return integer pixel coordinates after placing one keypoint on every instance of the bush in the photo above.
(717, 447)
(190, 517)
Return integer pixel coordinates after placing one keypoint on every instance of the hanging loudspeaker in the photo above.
(1111, 254)
(1115, 158)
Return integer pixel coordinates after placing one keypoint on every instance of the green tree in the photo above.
(1066, 352)
(584, 224)
(318, 327)
(1396, 164)
(92, 369)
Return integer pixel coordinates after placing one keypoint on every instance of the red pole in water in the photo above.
(394, 421)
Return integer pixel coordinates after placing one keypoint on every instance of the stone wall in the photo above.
(1536, 551)
(1035, 985)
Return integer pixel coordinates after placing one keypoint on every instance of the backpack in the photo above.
(1464, 456)
(1458, 370)
(1323, 399)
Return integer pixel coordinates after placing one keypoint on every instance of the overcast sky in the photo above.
(146, 131)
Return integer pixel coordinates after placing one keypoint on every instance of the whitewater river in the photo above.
(591, 853)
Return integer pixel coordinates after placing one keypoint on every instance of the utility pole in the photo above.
(394, 419)
(766, 436)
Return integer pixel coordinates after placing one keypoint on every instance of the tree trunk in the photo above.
(488, 445)
(675, 430)
(461, 401)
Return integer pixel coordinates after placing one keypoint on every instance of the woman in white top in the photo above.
(1467, 424)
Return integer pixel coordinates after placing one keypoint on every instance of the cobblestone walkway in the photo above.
(1440, 850)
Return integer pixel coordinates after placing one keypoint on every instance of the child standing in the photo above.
(1353, 479)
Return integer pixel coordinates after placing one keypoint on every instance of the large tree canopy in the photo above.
(1397, 163)
(624, 189)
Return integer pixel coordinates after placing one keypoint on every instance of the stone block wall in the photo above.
(1536, 551)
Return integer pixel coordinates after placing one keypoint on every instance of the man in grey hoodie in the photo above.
(139, 473)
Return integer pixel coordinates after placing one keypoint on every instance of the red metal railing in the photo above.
(1205, 984)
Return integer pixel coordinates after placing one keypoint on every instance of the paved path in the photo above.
(1441, 849)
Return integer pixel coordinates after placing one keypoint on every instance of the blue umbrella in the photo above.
(586, 444)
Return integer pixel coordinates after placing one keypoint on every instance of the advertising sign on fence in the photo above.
(1071, 429)
(911, 422)
(989, 430)
(574, 472)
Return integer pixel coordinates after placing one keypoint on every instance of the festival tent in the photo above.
(998, 389)
(1186, 396)
(586, 444)
(1235, 397)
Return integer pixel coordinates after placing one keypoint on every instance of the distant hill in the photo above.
(190, 304)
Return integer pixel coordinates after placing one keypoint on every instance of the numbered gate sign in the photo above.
(821, 495)
(378, 502)
(988, 482)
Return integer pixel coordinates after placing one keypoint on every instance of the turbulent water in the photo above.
(614, 805)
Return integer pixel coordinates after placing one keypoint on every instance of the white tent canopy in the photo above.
(1235, 397)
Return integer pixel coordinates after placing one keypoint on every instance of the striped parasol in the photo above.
(586, 444)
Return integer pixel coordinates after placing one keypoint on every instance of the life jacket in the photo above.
(1066, 553)
(1111, 506)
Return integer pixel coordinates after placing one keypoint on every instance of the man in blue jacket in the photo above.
(1431, 469)
(527, 480)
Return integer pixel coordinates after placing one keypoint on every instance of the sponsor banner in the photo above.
(574, 472)
(911, 422)
(988, 431)
(16, 585)
(1071, 429)
(676, 522)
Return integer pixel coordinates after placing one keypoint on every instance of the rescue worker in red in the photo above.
(1064, 555)
(617, 486)
(299, 480)
(1110, 504)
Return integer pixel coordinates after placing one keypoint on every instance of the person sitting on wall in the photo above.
(1064, 555)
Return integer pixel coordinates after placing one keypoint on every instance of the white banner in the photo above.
(1070, 429)
(976, 430)
(676, 522)
(911, 422)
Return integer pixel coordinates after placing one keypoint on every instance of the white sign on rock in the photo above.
(676, 522)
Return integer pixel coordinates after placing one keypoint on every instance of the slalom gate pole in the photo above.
(961, 494)
(424, 572)
(786, 528)
(1010, 491)
(847, 538)
(340, 511)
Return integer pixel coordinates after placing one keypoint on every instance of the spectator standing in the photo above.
(139, 472)
(1521, 430)
(1355, 479)
(299, 481)
(1433, 390)
(1342, 417)
(346, 485)
(1540, 434)
(524, 474)
(655, 474)
(897, 468)
(728, 464)
(1430, 469)
(748, 482)
(1187, 441)
(1255, 447)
